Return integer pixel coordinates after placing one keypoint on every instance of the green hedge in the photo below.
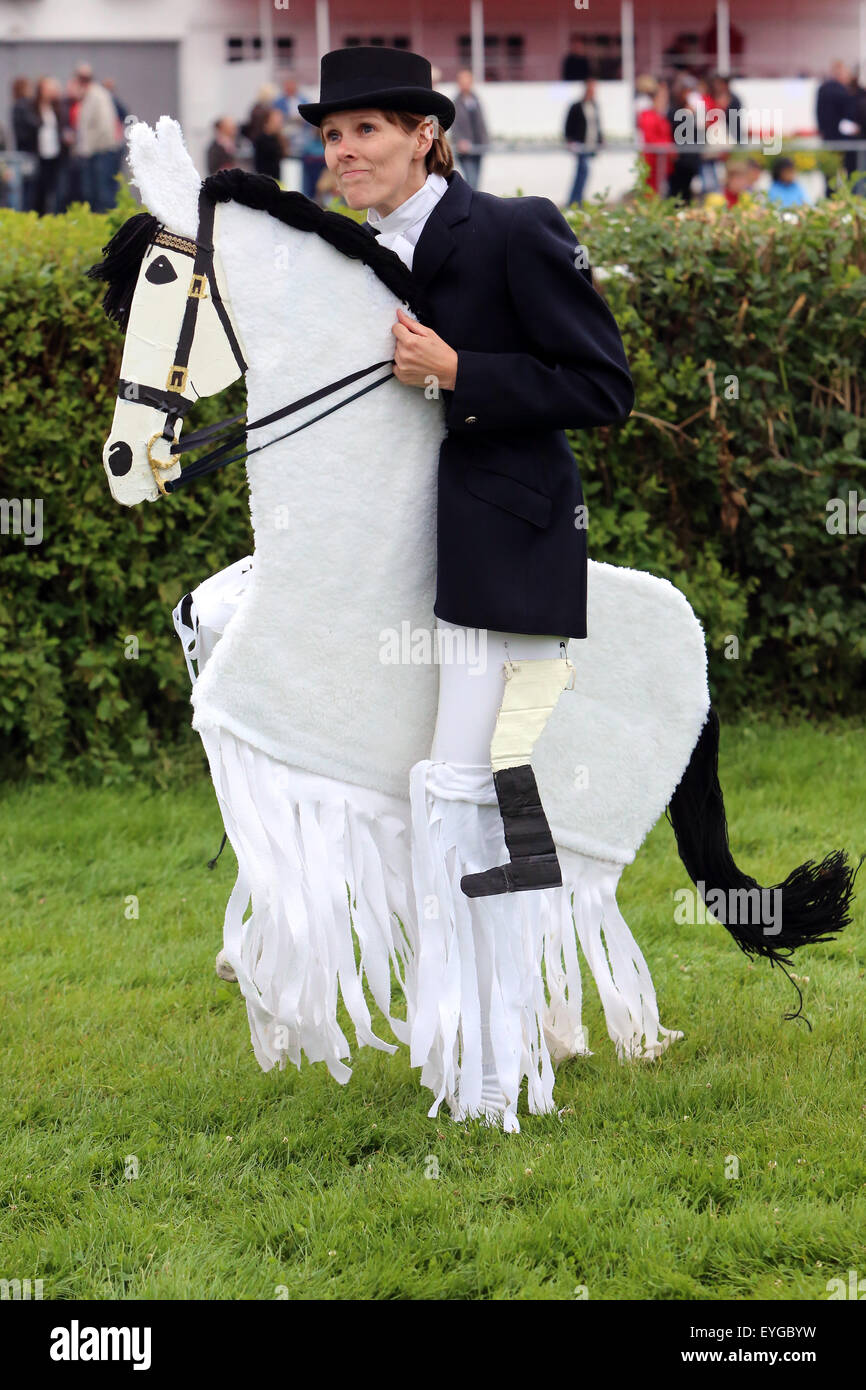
(103, 573)
(727, 496)
(727, 500)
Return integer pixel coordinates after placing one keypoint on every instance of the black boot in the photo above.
(530, 844)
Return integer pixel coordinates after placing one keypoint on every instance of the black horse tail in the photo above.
(810, 905)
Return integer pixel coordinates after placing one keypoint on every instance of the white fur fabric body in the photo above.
(347, 883)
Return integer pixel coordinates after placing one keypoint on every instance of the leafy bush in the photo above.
(102, 574)
(725, 496)
(745, 334)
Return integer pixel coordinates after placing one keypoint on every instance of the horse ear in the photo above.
(164, 174)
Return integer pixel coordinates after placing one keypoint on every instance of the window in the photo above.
(376, 41)
(503, 56)
(284, 52)
(247, 48)
(243, 48)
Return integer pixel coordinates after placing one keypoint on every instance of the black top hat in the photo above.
(387, 78)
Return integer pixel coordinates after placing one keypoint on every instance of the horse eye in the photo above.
(160, 271)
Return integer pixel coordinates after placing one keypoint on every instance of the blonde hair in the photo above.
(439, 159)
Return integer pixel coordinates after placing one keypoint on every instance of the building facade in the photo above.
(199, 59)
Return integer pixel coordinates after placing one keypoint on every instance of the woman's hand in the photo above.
(420, 353)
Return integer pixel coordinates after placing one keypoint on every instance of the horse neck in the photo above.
(307, 314)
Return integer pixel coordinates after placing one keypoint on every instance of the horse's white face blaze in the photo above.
(155, 319)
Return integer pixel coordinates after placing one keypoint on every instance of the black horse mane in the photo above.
(121, 262)
(123, 254)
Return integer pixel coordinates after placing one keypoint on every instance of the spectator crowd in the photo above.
(69, 140)
(72, 140)
(706, 123)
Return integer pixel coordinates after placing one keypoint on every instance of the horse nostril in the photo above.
(120, 458)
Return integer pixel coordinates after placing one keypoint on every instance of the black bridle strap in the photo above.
(202, 273)
(170, 402)
(192, 441)
(217, 459)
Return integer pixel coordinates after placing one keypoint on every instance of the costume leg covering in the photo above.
(324, 866)
(476, 1005)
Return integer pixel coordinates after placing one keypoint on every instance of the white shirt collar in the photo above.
(416, 207)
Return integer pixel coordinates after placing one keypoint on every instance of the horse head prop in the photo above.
(181, 341)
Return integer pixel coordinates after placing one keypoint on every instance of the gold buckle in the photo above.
(197, 287)
(177, 378)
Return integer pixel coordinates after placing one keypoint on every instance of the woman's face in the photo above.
(375, 163)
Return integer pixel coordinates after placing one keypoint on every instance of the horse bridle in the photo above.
(175, 405)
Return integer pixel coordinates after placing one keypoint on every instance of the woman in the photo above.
(655, 128)
(24, 127)
(684, 115)
(50, 146)
(269, 146)
(521, 348)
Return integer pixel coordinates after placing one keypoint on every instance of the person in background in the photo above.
(71, 185)
(683, 116)
(24, 132)
(313, 165)
(575, 64)
(654, 128)
(583, 127)
(741, 176)
(784, 188)
(645, 89)
(98, 139)
(294, 125)
(109, 85)
(49, 144)
(327, 191)
(270, 147)
(5, 173)
(711, 127)
(222, 150)
(255, 121)
(469, 131)
(122, 113)
(722, 98)
(859, 119)
(836, 115)
(723, 130)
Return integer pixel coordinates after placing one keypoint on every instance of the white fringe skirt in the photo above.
(347, 885)
(350, 889)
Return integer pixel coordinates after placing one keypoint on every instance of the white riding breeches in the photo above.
(472, 686)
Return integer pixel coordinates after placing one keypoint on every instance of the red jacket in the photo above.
(656, 129)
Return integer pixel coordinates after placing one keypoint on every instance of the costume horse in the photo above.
(315, 685)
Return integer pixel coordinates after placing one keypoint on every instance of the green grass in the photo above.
(120, 1040)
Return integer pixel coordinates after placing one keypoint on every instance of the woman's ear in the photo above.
(426, 132)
